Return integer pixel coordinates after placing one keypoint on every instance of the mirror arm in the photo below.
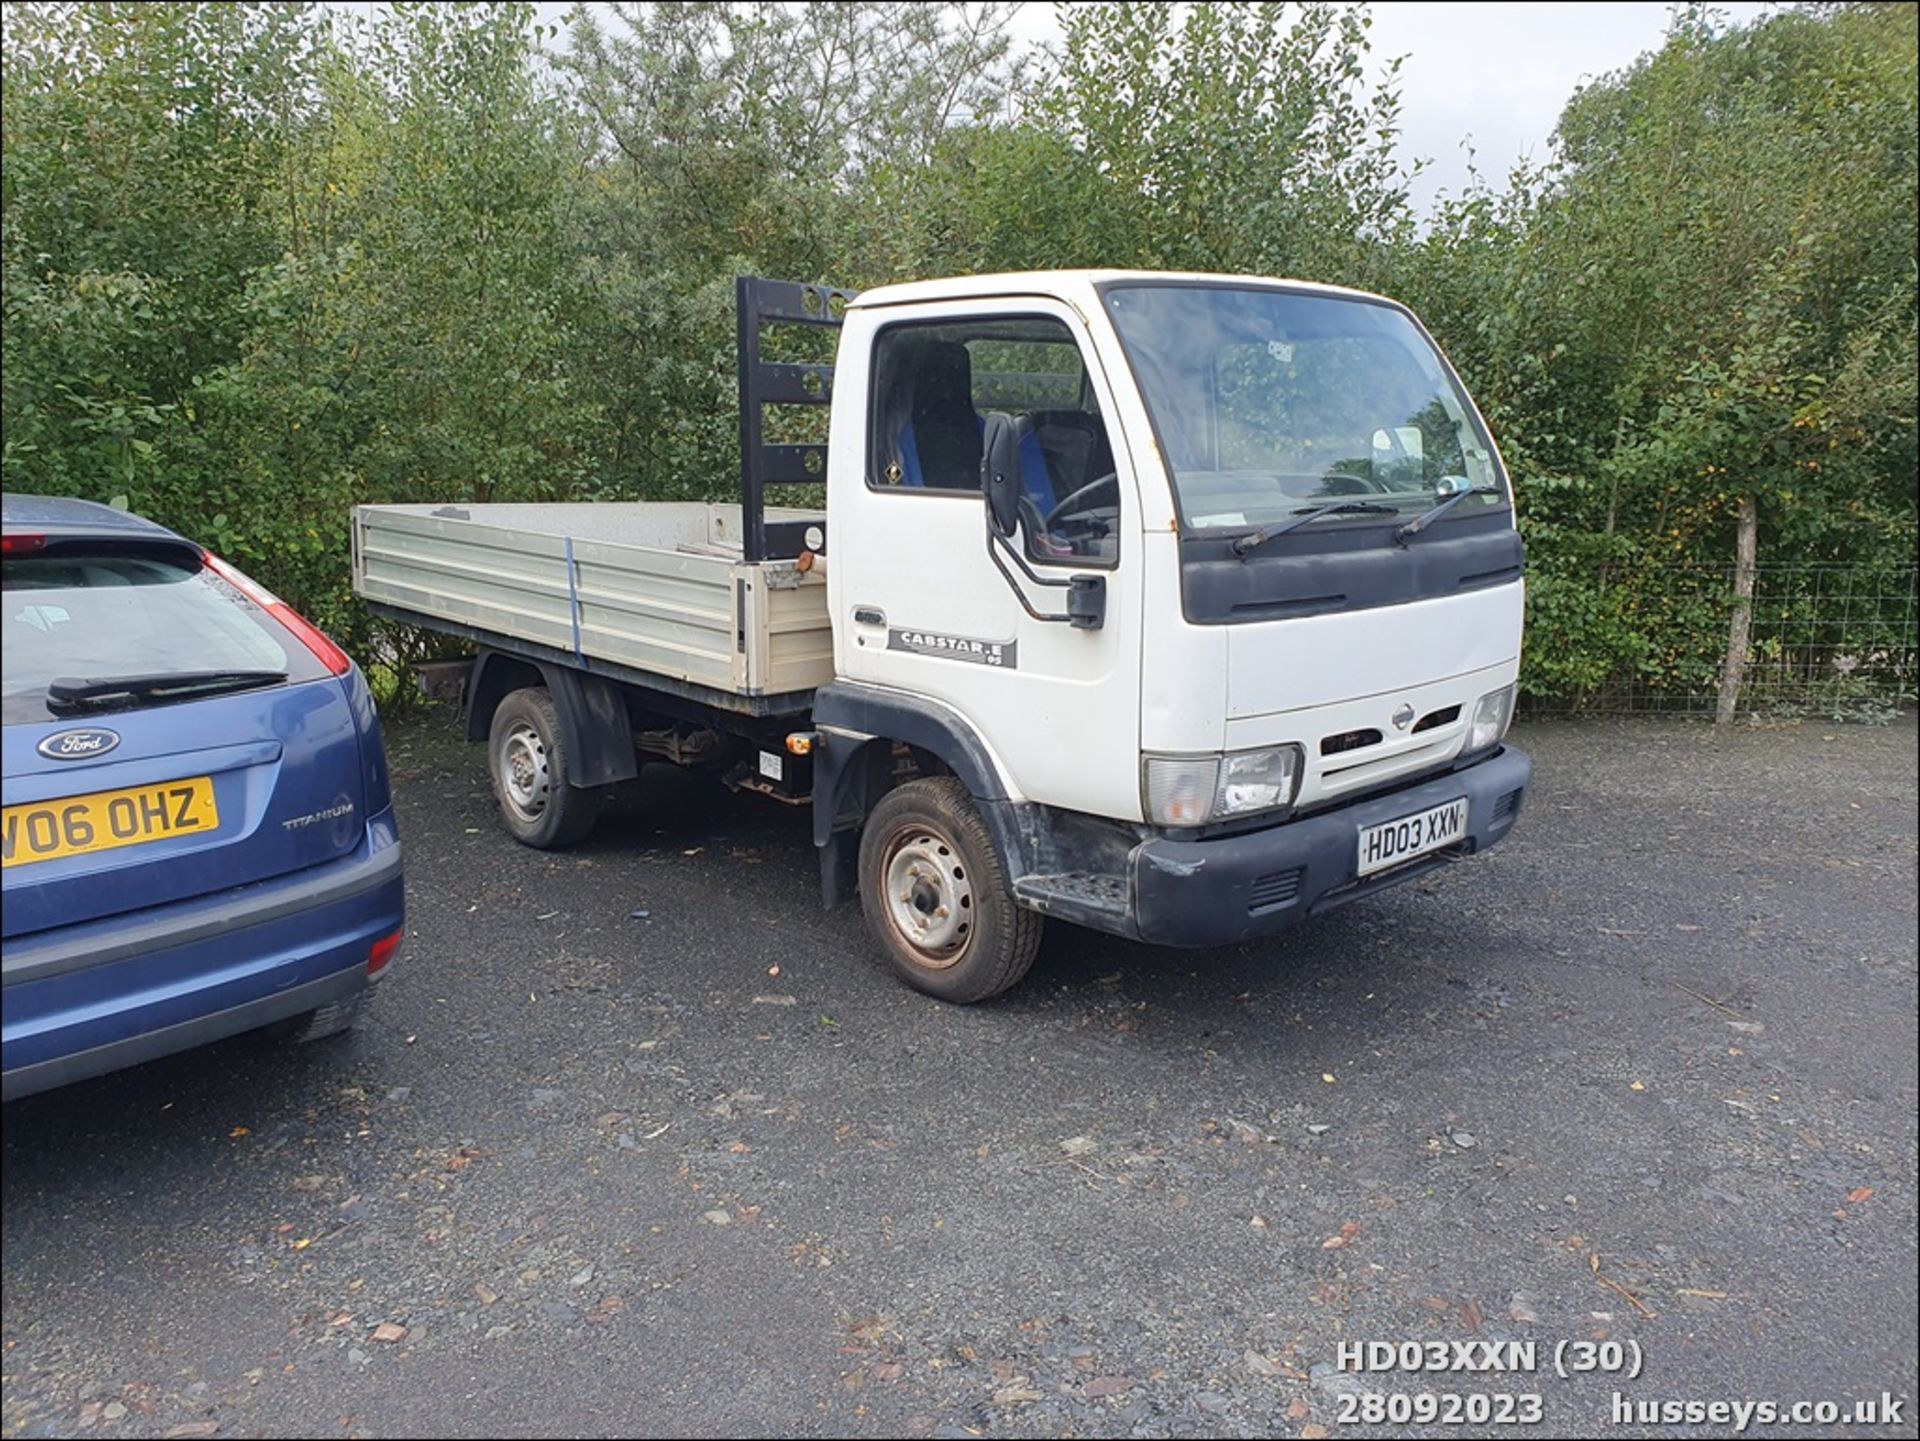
(1021, 561)
(1014, 585)
(1087, 594)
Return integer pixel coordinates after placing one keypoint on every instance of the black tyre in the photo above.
(936, 896)
(527, 759)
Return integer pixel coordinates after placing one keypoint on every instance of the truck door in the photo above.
(918, 603)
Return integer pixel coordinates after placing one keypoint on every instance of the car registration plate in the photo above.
(1391, 842)
(77, 825)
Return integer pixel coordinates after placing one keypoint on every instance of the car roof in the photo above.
(63, 516)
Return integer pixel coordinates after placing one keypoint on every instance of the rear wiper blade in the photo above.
(1421, 522)
(1245, 545)
(75, 693)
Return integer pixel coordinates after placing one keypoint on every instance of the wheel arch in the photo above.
(592, 709)
(852, 770)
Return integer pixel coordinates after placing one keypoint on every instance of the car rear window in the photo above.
(95, 614)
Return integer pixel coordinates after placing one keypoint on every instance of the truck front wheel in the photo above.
(937, 898)
(527, 760)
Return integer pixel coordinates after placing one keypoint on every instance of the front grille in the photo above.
(1506, 805)
(1277, 889)
(1436, 718)
(1349, 741)
(1360, 771)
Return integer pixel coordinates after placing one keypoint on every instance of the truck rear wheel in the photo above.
(527, 759)
(937, 898)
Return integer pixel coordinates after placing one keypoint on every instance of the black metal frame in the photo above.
(758, 303)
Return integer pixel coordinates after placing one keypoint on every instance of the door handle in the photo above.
(869, 615)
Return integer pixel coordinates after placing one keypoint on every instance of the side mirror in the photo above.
(1087, 601)
(1000, 472)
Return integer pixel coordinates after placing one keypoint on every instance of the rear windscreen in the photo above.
(94, 615)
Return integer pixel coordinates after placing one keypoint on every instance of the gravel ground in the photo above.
(1644, 1074)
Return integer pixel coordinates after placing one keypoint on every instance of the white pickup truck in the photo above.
(1179, 606)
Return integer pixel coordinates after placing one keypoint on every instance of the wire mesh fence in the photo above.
(1831, 639)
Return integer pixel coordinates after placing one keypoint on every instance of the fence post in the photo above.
(1740, 628)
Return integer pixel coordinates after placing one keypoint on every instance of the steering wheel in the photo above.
(1071, 502)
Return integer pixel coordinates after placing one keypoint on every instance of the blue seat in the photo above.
(1033, 465)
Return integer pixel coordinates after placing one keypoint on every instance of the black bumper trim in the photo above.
(1218, 892)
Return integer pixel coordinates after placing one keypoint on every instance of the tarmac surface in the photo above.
(1643, 1076)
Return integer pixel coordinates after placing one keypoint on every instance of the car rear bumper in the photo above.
(83, 1000)
(1236, 888)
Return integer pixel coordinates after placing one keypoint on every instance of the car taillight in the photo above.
(382, 953)
(21, 544)
(308, 634)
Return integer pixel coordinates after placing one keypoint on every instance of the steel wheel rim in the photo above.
(525, 781)
(929, 895)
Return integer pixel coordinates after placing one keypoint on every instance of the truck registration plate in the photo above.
(1391, 842)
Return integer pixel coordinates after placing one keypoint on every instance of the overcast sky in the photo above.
(1497, 74)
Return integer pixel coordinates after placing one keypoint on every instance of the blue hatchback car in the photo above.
(199, 834)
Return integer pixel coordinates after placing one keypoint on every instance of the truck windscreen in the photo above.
(1268, 403)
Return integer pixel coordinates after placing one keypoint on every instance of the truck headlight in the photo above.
(1491, 717)
(1192, 790)
(1262, 780)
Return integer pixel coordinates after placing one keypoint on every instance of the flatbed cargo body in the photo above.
(641, 590)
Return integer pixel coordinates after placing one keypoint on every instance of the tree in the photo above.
(261, 262)
(750, 138)
(141, 146)
(1243, 131)
(1700, 319)
(264, 262)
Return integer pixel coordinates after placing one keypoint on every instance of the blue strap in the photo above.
(573, 604)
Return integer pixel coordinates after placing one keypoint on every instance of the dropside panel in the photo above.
(653, 588)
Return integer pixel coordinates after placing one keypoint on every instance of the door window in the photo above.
(934, 385)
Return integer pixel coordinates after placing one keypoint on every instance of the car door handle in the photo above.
(869, 615)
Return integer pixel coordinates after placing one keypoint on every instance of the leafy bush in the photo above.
(262, 263)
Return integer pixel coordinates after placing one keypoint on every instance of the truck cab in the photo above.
(1251, 588)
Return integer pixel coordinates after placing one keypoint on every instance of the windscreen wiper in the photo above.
(1421, 522)
(1245, 545)
(71, 693)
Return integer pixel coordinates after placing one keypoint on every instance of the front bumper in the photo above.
(1236, 888)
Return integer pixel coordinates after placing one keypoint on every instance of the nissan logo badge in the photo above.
(1403, 717)
(77, 745)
